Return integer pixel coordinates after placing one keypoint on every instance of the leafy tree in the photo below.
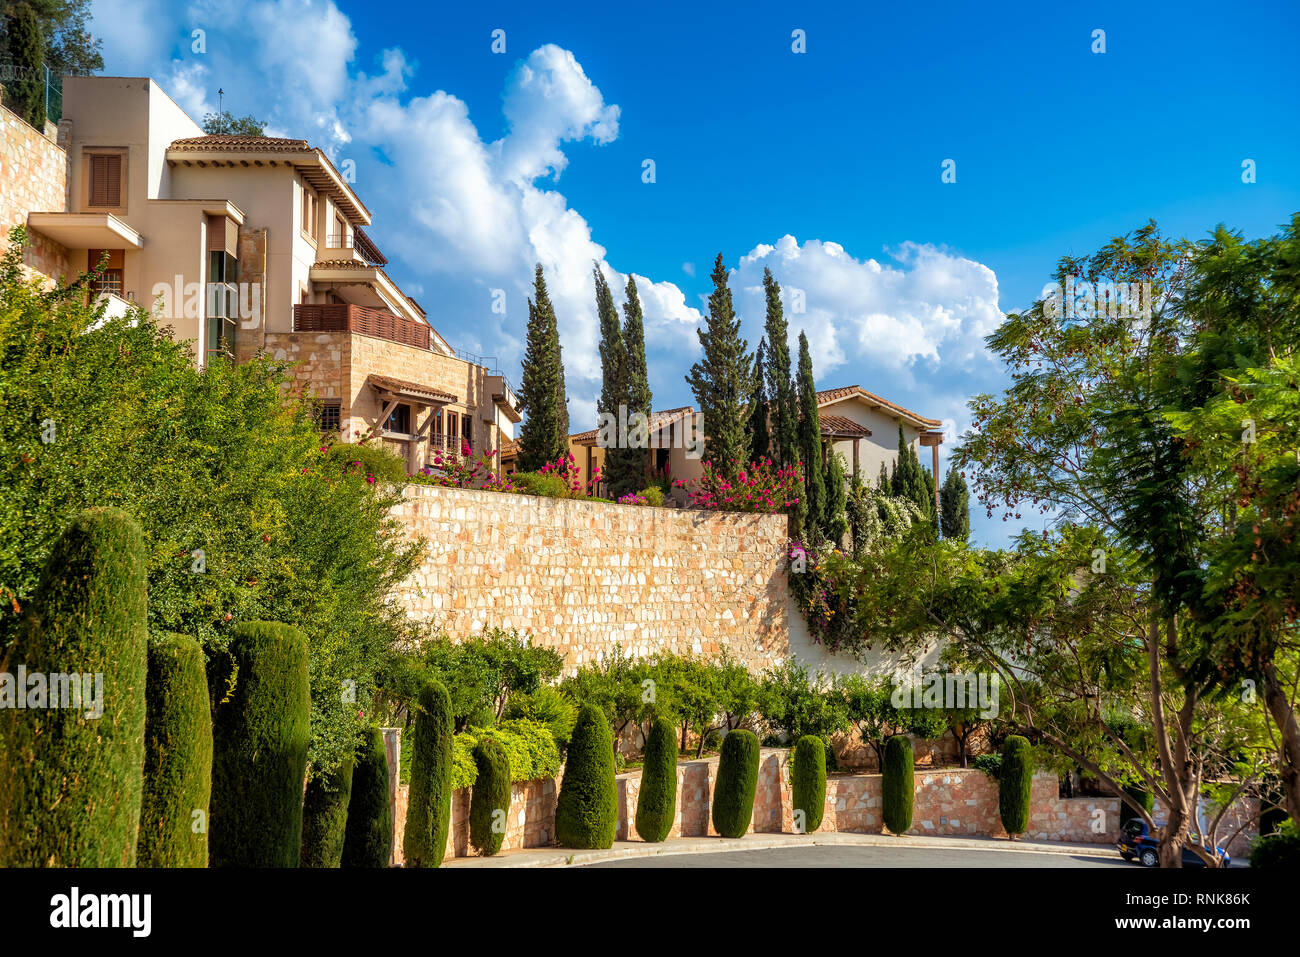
(760, 439)
(615, 687)
(624, 466)
(800, 703)
(810, 448)
(836, 500)
(780, 382)
(226, 123)
(910, 480)
(25, 43)
(544, 435)
(70, 49)
(954, 506)
(722, 380)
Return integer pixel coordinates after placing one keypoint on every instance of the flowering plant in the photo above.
(465, 470)
(566, 468)
(757, 487)
(818, 577)
(633, 498)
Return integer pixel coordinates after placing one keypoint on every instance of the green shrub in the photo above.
(898, 789)
(733, 795)
(547, 705)
(177, 756)
(367, 460)
(808, 781)
(990, 764)
(70, 784)
(653, 495)
(586, 812)
(530, 747)
(260, 733)
(325, 817)
(656, 804)
(428, 810)
(368, 837)
(1142, 796)
(1279, 851)
(543, 485)
(489, 803)
(1015, 784)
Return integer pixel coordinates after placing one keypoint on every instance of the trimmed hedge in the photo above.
(586, 812)
(733, 795)
(487, 829)
(428, 810)
(808, 781)
(656, 804)
(368, 836)
(70, 785)
(1015, 784)
(260, 733)
(325, 817)
(177, 756)
(898, 787)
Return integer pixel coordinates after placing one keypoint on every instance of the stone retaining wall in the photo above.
(580, 576)
(33, 178)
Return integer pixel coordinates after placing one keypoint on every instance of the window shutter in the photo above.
(105, 179)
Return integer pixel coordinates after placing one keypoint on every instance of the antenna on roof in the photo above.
(221, 96)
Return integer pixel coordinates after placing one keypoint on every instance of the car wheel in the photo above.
(1150, 858)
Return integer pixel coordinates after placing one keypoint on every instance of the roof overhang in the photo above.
(389, 389)
(210, 207)
(929, 439)
(86, 230)
(353, 273)
(884, 405)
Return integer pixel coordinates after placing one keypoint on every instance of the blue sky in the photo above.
(824, 165)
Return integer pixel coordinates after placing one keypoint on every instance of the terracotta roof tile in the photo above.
(400, 387)
(240, 144)
(840, 425)
(657, 421)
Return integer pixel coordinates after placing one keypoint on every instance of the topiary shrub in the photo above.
(898, 789)
(325, 817)
(733, 795)
(656, 804)
(428, 809)
(260, 733)
(1015, 784)
(489, 802)
(177, 756)
(368, 836)
(71, 769)
(586, 812)
(808, 783)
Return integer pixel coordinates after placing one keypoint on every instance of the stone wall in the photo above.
(580, 576)
(33, 178)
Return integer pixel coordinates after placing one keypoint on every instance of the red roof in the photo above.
(826, 397)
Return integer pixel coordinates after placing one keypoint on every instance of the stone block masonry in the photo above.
(582, 576)
(33, 178)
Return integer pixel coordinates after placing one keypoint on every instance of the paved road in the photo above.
(848, 856)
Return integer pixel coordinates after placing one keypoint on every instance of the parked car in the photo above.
(1136, 843)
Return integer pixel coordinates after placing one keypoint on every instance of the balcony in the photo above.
(344, 317)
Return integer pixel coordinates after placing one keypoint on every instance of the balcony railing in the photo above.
(345, 317)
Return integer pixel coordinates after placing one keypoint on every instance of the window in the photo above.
(399, 421)
(435, 428)
(328, 416)
(223, 300)
(467, 430)
(310, 206)
(338, 239)
(453, 428)
(109, 278)
(104, 186)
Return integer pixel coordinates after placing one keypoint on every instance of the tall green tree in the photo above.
(623, 465)
(26, 48)
(910, 480)
(638, 375)
(70, 49)
(780, 383)
(810, 449)
(722, 379)
(954, 506)
(760, 438)
(544, 435)
(836, 522)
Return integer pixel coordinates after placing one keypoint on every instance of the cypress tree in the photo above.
(954, 502)
(721, 380)
(489, 802)
(780, 383)
(810, 447)
(325, 817)
(177, 756)
(368, 838)
(760, 440)
(883, 481)
(544, 434)
(808, 780)
(428, 809)
(260, 733)
(910, 480)
(586, 812)
(623, 465)
(640, 398)
(656, 804)
(1015, 784)
(733, 795)
(898, 788)
(26, 44)
(71, 778)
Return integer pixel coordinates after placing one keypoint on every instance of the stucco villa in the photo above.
(246, 245)
(859, 425)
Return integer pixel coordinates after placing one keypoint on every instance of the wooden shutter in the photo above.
(105, 179)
